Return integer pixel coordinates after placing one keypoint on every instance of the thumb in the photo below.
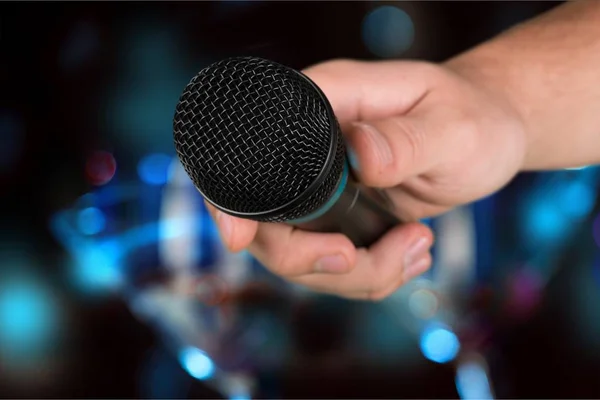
(385, 152)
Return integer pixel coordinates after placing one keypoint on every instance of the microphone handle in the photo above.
(361, 213)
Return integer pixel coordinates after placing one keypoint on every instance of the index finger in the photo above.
(359, 90)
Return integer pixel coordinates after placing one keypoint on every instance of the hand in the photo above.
(429, 136)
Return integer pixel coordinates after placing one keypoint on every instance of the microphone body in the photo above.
(362, 214)
(260, 141)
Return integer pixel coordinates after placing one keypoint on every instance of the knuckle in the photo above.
(284, 264)
(412, 142)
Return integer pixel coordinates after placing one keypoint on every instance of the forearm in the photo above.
(548, 69)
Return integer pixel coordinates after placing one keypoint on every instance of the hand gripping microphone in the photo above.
(260, 141)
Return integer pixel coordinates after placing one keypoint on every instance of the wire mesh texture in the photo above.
(254, 135)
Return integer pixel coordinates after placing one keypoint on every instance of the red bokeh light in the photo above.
(100, 168)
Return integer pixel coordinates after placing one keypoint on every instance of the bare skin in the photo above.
(436, 136)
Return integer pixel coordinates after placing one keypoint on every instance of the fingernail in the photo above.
(415, 269)
(414, 258)
(332, 264)
(225, 225)
(380, 143)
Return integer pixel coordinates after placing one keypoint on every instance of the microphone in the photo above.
(260, 141)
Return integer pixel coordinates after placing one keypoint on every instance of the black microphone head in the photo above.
(259, 140)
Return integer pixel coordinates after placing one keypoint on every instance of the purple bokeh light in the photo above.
(596, 230)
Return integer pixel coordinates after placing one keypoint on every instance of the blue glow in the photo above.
(472, 382)
(28, 316)
(544, 222)
(154, 169)
(388, 31)
(152, 232)
(425, 221)
(196, 363)
(97, 267)
(91, 221)
(153, 67)
(439, 344)
(176, 227)
(240, 396)
(577, 199)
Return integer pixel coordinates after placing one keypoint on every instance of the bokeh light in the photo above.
(29, 317)
(12, 138)
(154, 169)
(100, 168)
(238, 386)
(439, 344)
(388, 31)
(577, 199)
(91, 221)
(161, 378)
(524, 292)
(381, 335)
(543, 222)
(153, 70)
(196, 363)
(423, 303)
(240, 396)
(97, 268)
(472, 382)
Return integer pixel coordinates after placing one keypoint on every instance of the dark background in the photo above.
(83, 77)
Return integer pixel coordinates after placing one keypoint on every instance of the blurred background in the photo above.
(113, 282)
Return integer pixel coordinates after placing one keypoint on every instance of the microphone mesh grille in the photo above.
(253, 135)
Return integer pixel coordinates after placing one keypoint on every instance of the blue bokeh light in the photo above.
(472, 382)
(91, 221)
(154, 169)
(196, 363)
(240, 396)
(388, 31)
(96, 267)
(161, 377)
(577, 199)
(153, 68)
(544, 222)
(439, 344)
(28, 317)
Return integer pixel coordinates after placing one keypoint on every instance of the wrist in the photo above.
(488, 70)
